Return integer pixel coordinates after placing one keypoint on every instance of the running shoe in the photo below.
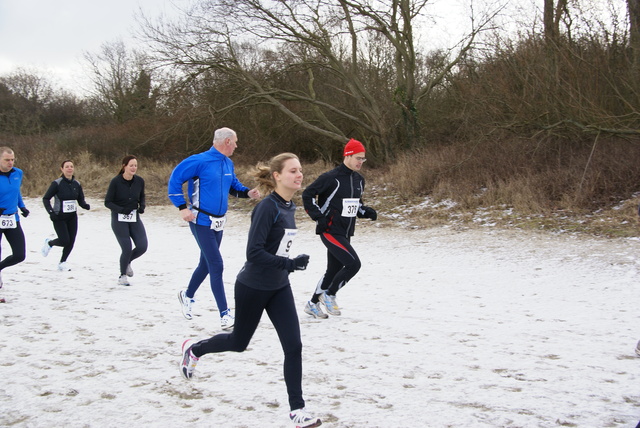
(123, 280)
(330, 304)
(227, 320)
(302, 419)
(63, 267)
(186, 304)
(129, 271)
(314, 310)
(45, 248)
(638, 349)
(189, 361)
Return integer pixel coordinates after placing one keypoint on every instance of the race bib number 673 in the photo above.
(8, 222)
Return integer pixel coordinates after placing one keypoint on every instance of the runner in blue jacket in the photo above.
(210, 178)
(10, 202)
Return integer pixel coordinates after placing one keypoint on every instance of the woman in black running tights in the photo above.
(263, 283)
(125, 198)
(67, 193)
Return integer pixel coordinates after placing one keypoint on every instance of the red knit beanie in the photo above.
(353, 147)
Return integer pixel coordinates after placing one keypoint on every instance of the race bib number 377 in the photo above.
(350, 207)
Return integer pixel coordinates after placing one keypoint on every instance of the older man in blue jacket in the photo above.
(210, 178)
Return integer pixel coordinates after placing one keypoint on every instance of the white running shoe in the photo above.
(129, 271)
(330, 304)
(637, 347)
(314, 310)
(227, 320)
(186, 304)
(302, 419)
(189, 361)
(63, 267)
(123, 280)
(45, 248)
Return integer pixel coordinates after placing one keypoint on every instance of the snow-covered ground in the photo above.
(441, 328)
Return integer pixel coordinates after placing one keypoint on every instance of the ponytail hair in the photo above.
(263, 173)
(125, 162)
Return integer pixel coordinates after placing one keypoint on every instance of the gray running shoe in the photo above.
(129, 271)
(330, 304)
(314, 310)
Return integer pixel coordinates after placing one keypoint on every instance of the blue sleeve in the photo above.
(184, 171)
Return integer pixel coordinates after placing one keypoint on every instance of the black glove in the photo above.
(322, 224)
(125, 210)
(141, 211)
(25, 211)
(2, 211)
(86, 206)
(370, 213)
(298, 263)
(53, 216)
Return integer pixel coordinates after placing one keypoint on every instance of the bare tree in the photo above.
(246, 41)
(122, 84)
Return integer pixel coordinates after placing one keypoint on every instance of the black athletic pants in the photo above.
(66, 229)
(125, 233)
(343, 264)
(15, 238)
(281, 309)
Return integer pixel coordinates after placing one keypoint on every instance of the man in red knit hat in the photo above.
(334, 201)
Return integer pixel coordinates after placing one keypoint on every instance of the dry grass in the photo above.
(418, 191)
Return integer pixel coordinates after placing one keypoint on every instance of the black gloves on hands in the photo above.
(53, 216)
(125, 210)
(25, 211)
(298, 263)
(141, 211)
(370, 213)
(86, 206)
(322, 224)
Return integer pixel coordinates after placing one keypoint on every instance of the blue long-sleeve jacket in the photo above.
(210, 177)
(10, 196)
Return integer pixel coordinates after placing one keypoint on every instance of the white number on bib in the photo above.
(8, 221)
(350, 207)
(217, 223)
(285, 243)
(128, 218)
(69, 206)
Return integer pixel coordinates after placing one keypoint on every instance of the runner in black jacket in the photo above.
(67, 193)
(263, 284)
(334, 201)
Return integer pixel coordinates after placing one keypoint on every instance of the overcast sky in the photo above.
(52, 36)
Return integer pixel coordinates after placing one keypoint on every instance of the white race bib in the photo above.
(8, 221)
(69, 206)
(217, 223)
(350, 207)
(128, 218)
(285, 243)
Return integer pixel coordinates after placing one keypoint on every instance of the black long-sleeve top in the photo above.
(271, 233)
(63, 189)
(125, 195)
